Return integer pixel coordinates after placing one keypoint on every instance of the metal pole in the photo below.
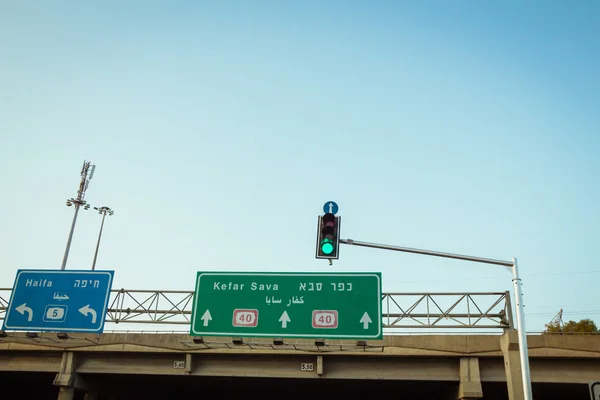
(516, 284)
(98, 244)
(427, 252)
(85, 180)
(523, 350)
(64, 262)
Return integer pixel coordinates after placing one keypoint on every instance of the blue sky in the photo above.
(219, 129)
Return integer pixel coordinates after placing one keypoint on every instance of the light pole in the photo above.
(78, 202)
(521, 330)
(102, 210)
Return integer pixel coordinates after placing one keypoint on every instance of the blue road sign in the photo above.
(330, 207)
(59, 300)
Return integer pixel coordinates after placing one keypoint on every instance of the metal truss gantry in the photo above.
(482, 310)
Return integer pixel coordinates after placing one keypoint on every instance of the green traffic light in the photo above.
(326, 246)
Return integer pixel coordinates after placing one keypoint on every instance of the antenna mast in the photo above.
(86, 170)
(557, 322)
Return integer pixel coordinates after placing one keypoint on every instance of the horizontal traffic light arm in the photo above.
(427, 252)
(521, 330)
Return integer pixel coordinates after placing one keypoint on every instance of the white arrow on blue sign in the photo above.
(59, 301)
(330, 207)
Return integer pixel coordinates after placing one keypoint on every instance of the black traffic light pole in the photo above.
(523, 351)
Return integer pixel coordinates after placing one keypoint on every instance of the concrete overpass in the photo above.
(160, 366)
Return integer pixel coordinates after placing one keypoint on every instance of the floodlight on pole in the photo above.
(87, 171)
(103, 211)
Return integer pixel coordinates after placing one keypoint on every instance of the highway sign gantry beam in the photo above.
(59, 301)
(295, 305)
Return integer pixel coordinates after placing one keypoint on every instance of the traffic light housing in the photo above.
(328, 236)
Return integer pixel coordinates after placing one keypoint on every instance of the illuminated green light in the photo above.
(326, 246)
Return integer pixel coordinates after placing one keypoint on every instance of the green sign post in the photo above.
(300, 305)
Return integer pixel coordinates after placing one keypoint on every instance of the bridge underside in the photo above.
(40, 386)
(131, 366)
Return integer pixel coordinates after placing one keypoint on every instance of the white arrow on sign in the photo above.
(24, 309)
(206, 317)
(85, 310)
(365, 320)
(284, 319)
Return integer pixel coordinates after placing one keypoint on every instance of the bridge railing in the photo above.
(448, 310)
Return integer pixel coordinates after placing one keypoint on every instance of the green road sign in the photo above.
(301, 305)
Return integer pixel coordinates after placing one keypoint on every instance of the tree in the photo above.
(583, 326)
